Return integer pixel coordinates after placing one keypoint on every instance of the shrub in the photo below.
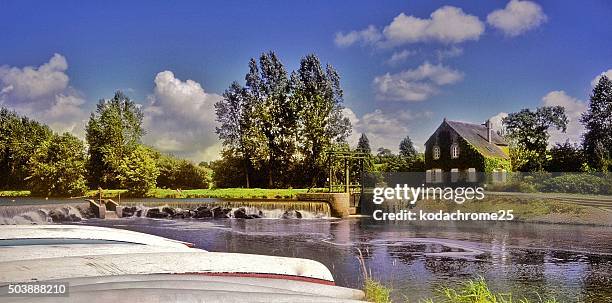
(577, 183)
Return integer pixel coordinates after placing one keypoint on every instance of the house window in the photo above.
(455, 151)
(436, 152)
(454, 175)
(471, 174)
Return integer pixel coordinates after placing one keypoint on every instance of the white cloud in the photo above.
(43, 93)
(517, 17)
(415, 84)
(451, 52)
(180, 118)
(447, 24)
(607, 73)
(370, 35)
(384, 129)
(573, 109)
(399, 57)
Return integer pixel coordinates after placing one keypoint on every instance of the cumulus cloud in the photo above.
(399, 57)
(44, 93)
(607, 73)
(180, 118)
(447, 24)
(573, 109)
(370, 35)
(451, 52)
(517, 17)
(384, 129)
(415, 84)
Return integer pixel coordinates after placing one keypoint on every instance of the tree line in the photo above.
(528, 132)
(32, 157)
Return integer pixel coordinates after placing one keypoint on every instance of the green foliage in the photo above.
(376, 292)
(57, 167)
(477, 291)
(529, 132)
(577, 183)
(406, 148)
(279, 126)
(113, 133)
(19, 139)
(137, 172)
(598, 123)
(364, 144)
(566, 158)
(180, 173)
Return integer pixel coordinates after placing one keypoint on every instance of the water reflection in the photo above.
(571, 263)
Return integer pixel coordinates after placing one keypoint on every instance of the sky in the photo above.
(404, 65)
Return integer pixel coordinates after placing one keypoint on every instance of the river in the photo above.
(572, 263)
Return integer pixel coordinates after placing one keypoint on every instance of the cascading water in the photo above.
(42, 214)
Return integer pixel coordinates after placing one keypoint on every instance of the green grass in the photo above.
(376, 292)
(477, 291)
(15, 193)
(228, 193)
(523, 208)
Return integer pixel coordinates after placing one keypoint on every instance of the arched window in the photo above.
(454, 151)
(436, 152)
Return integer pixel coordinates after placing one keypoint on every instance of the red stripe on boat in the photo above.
(262, 276)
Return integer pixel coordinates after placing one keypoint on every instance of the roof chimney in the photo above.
(489, 130)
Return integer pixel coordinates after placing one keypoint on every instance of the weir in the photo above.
(315, 207)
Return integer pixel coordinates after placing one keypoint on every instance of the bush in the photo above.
(577, 183)
(138, 172)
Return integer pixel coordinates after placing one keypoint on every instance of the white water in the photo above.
(35, 214)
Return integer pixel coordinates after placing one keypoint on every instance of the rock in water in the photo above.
(156, 213)
(128, 212)
(203, 212)
(292, 214)
(170, 211)
(57, 216)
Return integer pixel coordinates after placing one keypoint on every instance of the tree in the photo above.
(235, 114)
(597, 120)
(180, 173)
(566, 157)
(19, 139)
(137, 171)
(57, 167)
(364, 144)
(113, 133)
(267, 87)
(406, 148)
(528, 130)
(318, 95)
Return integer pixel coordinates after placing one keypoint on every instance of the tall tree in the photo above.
(364, 144)
(235, 114)
(267, 87)
(319, 98)
(597, 120)
(529, 131)
(113, 133)
(406, 148)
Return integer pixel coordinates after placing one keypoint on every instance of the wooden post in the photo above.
(346, 166)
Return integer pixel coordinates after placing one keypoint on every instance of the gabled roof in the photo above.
(476, 135)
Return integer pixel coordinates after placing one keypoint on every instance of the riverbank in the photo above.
(531, 209)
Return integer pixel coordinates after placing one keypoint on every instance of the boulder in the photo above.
(220, 213)
(156, 213)
(58, 216)
(203, 212)
(170, 211)
(292, 214)
(128, 212)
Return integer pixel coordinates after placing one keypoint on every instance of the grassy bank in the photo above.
(528, 209)
(161, 193)
(471, 291)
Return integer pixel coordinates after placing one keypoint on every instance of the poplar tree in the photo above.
(597, 120)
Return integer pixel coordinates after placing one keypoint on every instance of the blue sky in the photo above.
(464, 60)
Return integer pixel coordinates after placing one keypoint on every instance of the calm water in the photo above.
(571, 263)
